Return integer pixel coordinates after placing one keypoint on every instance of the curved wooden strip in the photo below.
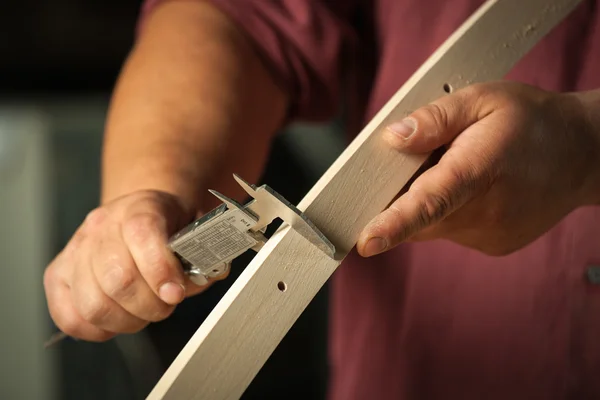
(240, 334)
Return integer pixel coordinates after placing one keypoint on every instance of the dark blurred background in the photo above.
(58, 63)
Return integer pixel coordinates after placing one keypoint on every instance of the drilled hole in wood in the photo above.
(281, 286)
(447, 88)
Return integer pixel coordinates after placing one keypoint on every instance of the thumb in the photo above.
(433, 125)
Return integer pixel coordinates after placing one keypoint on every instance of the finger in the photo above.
(145, 235)
(432, 197)
(431, 232)
(191, 289)
(95, 307)
(64, 314)
(436, 124)
(453, 226)
(432, 160)
(119, 278)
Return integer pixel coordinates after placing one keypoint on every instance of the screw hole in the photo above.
(281, 286)
(447, 88)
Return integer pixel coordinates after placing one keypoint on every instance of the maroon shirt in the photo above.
(436, 320)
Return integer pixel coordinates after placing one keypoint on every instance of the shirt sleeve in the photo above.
(302, 43)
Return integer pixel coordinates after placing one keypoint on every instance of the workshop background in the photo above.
(58, 63)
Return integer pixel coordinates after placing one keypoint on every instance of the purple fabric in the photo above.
(436, 320)
(301, 42)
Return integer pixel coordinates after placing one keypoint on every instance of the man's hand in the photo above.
(116, 274)
(194, 103)
(517, 160)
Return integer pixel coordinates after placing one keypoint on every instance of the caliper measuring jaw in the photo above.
(207, 246)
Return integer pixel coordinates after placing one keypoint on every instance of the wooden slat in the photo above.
(231, 346)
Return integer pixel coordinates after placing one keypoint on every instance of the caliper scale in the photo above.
(207, 246)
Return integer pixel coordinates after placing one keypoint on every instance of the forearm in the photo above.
(193, 103)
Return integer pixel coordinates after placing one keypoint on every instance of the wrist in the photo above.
(128, 175)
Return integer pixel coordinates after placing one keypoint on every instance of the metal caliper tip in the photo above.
(250, 189)
(231, 204)
(268, 205)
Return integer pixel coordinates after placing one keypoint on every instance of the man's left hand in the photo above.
(518, 159)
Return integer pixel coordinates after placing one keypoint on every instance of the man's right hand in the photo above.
(116, 274)
(193, 104)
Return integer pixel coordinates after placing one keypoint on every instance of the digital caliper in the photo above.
(207, 246)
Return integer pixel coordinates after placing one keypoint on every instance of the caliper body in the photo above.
(207, 246)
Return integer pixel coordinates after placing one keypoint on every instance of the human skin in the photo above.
(518, 160)
(192, 106)
(195, 104)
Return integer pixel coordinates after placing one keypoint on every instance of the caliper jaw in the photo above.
(207, 246)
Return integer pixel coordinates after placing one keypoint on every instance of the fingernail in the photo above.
(171, 293)
(375, 246)
(404, 128)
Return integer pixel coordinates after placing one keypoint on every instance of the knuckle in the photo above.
(94, 309)
(49, 277)
(436, 114)
(69, 323)
(118, 279)
(487, 96)
(76, 241)
(96, 218)
(476, 90)
(158, 267)
(161, 312)
(434, 207)
(479, 96)
(141, 226)
(464, 177)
